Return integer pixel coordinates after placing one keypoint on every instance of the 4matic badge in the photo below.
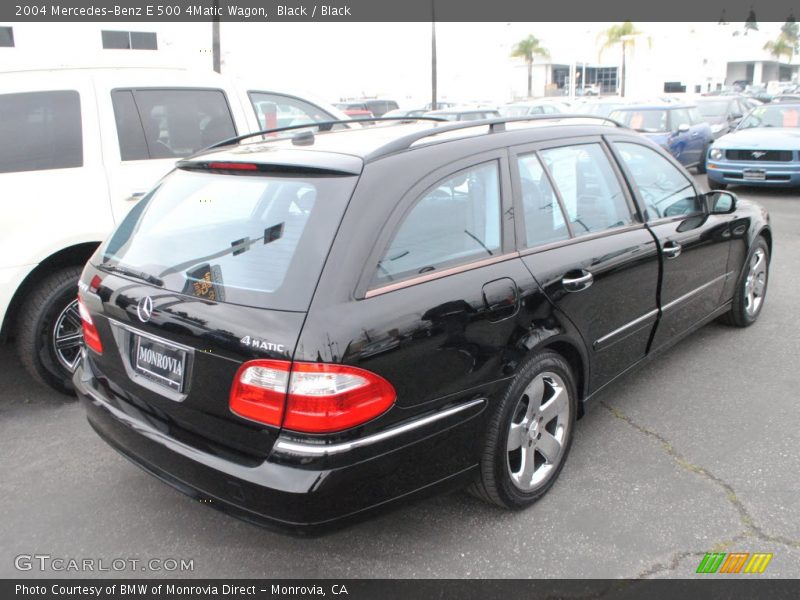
(259, 344)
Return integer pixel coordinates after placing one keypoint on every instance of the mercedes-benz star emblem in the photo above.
(145, 309)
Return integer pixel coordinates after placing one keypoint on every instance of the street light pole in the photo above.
(215, 51)
(433, 55)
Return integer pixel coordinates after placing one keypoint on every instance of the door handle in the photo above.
(672, 250)
(134, 196)
(695, 134)
(577, 284)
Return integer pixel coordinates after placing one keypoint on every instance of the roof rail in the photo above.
(320, 124)
(496, 125)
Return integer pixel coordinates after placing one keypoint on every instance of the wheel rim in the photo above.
(755, 285)
(68, 337)
(538, 432)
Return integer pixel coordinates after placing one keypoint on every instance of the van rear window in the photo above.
(252, 240)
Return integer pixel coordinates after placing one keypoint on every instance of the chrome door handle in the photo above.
(672, 251)
(134, 196)
(577, 284)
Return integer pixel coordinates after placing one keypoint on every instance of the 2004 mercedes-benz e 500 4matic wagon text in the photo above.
(303, 330)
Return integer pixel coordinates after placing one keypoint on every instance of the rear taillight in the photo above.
(318, 398)
(259, 391)
(90, 334)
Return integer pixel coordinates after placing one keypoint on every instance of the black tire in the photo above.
(35, 328)
(715, 185)
(494, 483)
(740, 314)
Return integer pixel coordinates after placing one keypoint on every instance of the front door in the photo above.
(694, 244)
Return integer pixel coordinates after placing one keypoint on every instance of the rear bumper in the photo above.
(291, 490)
(786, 174)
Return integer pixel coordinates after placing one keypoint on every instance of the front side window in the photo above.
(276, 110)
(40, 131)
(544, 221)
(455, 222)
(646, 121)
(589, 188)
(680, 116)
(665, 190)
(170, 123)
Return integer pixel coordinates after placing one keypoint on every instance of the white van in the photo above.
(78, 149)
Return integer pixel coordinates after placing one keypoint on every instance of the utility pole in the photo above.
(215, 52)
(433, 55)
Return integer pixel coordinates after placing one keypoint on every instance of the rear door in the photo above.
(694, 245)
(585, 244)
(147, 129)
(442, 296)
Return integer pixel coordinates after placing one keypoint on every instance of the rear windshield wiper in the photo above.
(152, 279)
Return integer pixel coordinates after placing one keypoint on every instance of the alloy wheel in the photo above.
(755, 284)
(538, 432)
(68, 337)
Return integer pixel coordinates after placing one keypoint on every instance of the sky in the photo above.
(339, 60)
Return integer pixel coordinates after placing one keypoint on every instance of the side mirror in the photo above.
(683, 128)
(735, 116)
(720, 202)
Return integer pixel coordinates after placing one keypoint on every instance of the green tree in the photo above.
(791, 33)
(528, 49)
(780, 47)
(624, 35)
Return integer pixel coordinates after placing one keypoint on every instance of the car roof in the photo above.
(347, 150)
(665, 106)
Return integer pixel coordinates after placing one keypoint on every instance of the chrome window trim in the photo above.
(316, 450)
(391, 287)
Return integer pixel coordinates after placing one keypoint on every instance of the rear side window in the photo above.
(252, 240)
(589, 188)
(455, 222)
(40, 131)
(276, 110)
(665, 190)
(165, 123)
(544, 221)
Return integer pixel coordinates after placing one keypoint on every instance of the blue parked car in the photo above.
(678, 128)
(764, 149)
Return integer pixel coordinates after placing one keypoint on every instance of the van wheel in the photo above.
(530, 434)
(48, 335)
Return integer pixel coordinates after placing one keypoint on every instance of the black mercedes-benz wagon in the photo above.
(304, 328)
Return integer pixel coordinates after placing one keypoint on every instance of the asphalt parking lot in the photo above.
(699, 451)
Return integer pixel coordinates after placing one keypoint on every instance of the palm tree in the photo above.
(622, 34)
(527, 49)
(780, 47)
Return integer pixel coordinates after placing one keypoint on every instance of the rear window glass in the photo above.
(40, 131)
(252, 240)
